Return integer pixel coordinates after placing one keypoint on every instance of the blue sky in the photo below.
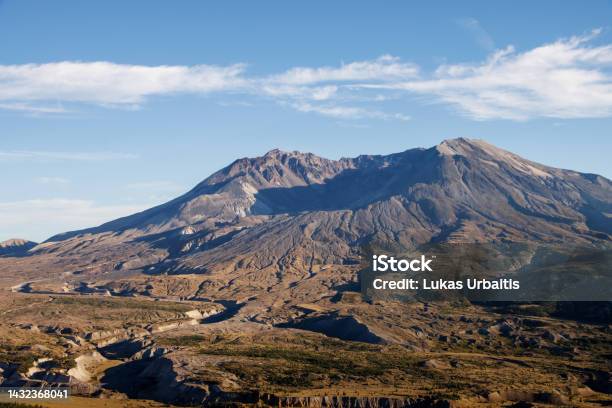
(107, 108)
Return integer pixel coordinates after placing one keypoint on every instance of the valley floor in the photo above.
(151, 351)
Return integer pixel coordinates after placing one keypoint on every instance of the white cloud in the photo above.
(384, 68)
(565, 79)
(22, 155)
(316, 93)
(39, 219)
(568, 78)
(53, 180)
(112, 84)
(34, 109)
(325, 83)
(348, 112)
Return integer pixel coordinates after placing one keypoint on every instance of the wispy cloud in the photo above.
(384, 68)
(480, 35)
(23, 155)
(326, 90)
(348, 112)
(41, 218)
(568, 78)
(34, 109)
(111, 84)
(565, 79)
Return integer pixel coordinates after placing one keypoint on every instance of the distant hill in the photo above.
(16, 247)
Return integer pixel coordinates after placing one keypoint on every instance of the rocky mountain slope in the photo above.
(282, 215)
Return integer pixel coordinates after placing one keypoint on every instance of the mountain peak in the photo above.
(463, 146)
(284, 153)
(275, 164)
(492, 155)
(278, 152)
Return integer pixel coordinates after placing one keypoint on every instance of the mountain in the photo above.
(229, 193)
(16, 247)
(224, 293)
(274, 219)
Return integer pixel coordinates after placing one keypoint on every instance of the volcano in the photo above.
(278, 217)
